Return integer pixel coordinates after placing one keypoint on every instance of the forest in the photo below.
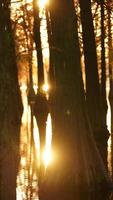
(56, 99)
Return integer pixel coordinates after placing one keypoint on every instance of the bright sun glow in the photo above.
(45, 87)
(42, 3)
(47, 155)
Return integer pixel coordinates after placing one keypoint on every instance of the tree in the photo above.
(110, 64)
(103, 81)
(37, 39)
(40, 108)
(75, 169)
(110, 51)
(93, 93)
(103, 61)
(10, 107)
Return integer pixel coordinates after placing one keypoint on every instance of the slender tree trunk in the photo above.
(110, 65)
(110, 71)
(41, 104)
(10, 107)
(51, 50)
(37, 39)
(93, 94)
(103, 84)
(103, 63)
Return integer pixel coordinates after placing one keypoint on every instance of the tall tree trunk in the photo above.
(41, 105)
(103, 62)
(110, 64)
(10, 107)
(37, 39)
(103, 84)
(93, 95)
(51, 50)
(110, 56)
(77, 165)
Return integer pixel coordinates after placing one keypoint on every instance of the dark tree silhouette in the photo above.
(109, 9)
(40, 108)
(77, 166)
(103, 82)
(103, 62)
(110, 53)
(37, 39)
(96, 98)
(10, 107)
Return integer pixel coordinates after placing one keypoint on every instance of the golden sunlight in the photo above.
(30, 156)
(45, 87)
(47, 155)
(42, 3)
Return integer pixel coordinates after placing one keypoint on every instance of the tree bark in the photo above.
(10, 107)
(103, 63)
(109, 9)
(37, 39)
(103, 84)
(93, 92)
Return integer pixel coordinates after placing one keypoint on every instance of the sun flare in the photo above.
(47, 157)
(45, 87)
(47, 154)
(42, 3)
